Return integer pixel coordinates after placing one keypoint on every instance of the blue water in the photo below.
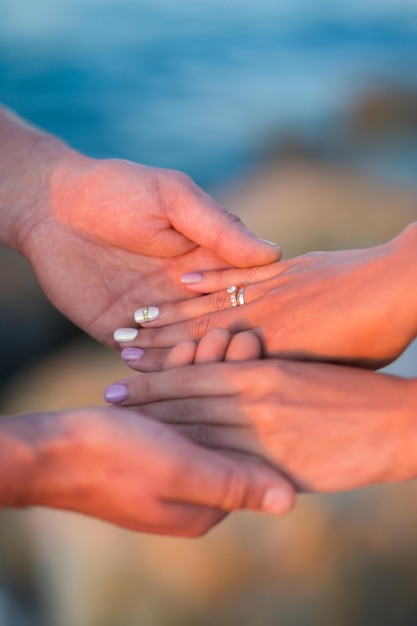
(201, 85)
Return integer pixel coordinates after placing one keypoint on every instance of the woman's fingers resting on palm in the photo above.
(356, 306)
(217, 345)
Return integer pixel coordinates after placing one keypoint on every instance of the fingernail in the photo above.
(193, 277)
(131, 354)
(275, 501)
(125, 334)
(270, 243)
(147, 314)
(115, 393)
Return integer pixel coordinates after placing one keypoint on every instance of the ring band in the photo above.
(236, 295)
(241, 296)
(145, 314)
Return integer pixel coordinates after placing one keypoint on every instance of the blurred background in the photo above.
(302, 118)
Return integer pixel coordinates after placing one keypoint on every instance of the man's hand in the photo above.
(129, 470)
(106, 237)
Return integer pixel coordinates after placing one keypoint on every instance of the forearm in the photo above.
(27, 159)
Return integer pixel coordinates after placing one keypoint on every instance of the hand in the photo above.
(117, 235)
(357, 307)
(216, 346)
(105, 237)
(327, 427)
(124, 468)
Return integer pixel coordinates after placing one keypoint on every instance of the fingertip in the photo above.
(278, 500)
(257, 252)
(116, 393)
(265, 491)
(244, 346)
(273, 249)
(181, 355)
(212, 346)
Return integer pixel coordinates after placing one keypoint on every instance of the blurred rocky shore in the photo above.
(349, 559)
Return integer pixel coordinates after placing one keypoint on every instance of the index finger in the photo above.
(208, 379)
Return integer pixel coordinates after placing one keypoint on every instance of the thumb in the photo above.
(202, 220)
(230, 484)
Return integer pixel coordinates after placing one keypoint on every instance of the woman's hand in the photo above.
(327, 427)
(127, 469)
(357, 307)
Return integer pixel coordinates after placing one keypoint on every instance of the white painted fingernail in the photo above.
(125, 334)
(147, 314)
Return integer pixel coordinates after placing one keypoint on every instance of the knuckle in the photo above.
(185, 380)
(159, 358)
(233, 218)
(148, 338)
(198, 326)
(236, 493)
(155, 337)
(251, 274)
(187, 409)
(220, 300)
(202, 434)
(266, 414)
(146, 388)
(180, 178)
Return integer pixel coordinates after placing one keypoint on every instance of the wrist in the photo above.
(36, 451)
(404, 257)
(28, 159)
(407, 456)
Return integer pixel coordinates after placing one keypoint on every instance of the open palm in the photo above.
(114, 235)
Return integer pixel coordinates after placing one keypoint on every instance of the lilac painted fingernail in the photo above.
(115, 393)
(192, 278)
(131, 354)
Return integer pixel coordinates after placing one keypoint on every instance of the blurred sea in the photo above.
(201, 85)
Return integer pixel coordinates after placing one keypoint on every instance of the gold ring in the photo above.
(241, 296)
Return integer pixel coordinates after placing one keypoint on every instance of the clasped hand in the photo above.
(356, 307)
(327, 426)
(103, 237)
